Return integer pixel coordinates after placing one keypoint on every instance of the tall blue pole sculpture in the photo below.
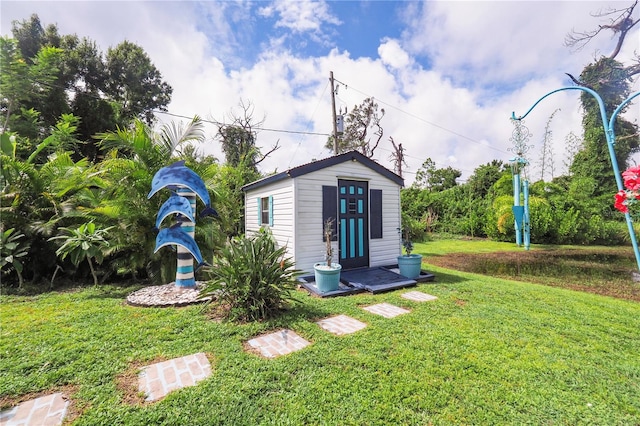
(185, 185)
(520, 137)
(611, 140)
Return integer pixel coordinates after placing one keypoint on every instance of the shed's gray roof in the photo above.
(321, 164)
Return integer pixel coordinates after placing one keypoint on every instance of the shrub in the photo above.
(609, 232)
(84, 242)
(542, 220)
(413, 229)
(251, 279)
(570, 227)
(11, 250)
(500, 223)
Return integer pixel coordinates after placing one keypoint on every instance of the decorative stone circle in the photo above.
(167, 295)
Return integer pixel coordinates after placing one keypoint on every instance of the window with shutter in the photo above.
(265, 210)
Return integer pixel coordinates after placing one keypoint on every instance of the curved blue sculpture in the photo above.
(176, 236)
(178, 175)
(186, 185)
(176, 204)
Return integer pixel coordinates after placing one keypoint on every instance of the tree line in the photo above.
(573, 208)
(79, 150)
(78, 153)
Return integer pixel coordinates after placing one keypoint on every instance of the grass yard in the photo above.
(488, 351)
(599, 270)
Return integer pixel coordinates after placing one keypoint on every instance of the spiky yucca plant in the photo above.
(251, 278)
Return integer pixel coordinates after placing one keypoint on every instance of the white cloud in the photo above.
(392, 54)
(486, 60)
(300, 16)
(499, 43)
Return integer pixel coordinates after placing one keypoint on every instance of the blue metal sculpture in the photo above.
(520, 137)
(176, 204)
(611, 140)
(186, 185)
(176, 236)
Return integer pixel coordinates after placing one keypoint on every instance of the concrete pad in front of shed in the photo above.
(308, 282)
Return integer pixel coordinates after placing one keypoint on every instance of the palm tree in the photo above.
(38, 199)
(133, 157)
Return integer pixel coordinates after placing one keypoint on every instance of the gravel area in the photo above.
(166, 295)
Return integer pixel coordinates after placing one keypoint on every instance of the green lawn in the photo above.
(488, 351)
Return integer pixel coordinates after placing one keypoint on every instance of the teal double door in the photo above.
(353, 223)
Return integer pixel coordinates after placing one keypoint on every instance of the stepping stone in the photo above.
(47, 410)
(157, 380)
(386, 310)
(341, 325)
(418, 296)
(281, 342)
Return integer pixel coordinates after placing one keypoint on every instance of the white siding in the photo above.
(297, 214)
(385, 250)
(308, 193)
(283, 212)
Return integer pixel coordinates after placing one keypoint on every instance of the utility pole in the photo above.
(335, 118)
(397, 156)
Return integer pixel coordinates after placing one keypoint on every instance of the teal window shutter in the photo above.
(259, 211)
(270, 210)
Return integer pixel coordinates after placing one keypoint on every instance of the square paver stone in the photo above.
(47, 410)
(418, 296)
(341, 325)
(281, 342)
(157, 380)
(386, 310)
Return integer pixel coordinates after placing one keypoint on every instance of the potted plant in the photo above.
(327, 273)
(409, 264)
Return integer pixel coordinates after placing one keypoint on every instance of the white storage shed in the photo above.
(360, 195)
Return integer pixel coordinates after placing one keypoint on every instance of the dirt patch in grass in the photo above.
(601, 271)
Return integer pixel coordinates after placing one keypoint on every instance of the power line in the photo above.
(310, 121)
(419, 159)
(156, 111)
(217, 123)
(265, 129)
(424, 120)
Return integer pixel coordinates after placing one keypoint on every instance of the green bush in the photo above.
(609, 232)
(251, 279)
(85, 242)
(413, 229)
(541, 220)
(570, 227)
(11, 250)
(500, 223)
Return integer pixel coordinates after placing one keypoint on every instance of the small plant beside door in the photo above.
(409, 264)
(327, 273)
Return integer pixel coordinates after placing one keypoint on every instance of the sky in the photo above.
(448, 74)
